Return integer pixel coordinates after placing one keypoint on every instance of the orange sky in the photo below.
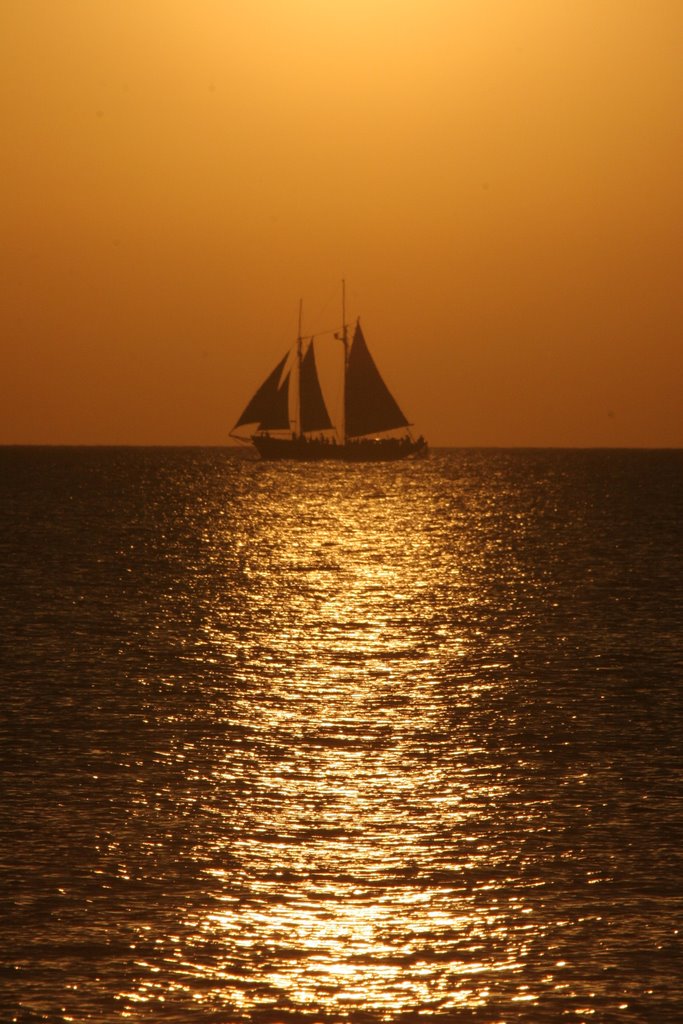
(499, 181)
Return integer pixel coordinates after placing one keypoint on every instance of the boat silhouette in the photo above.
(290, 419)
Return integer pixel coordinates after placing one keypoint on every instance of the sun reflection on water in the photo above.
(359, 876)
(342, 744)
(357, 788)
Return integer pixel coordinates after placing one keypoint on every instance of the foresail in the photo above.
(265, 400)
(369, 405)
(277, 416)
(314, 414)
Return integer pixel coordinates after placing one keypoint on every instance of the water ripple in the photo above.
(328, 743)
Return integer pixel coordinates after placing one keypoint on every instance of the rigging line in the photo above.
(324, 309)
(331, 330)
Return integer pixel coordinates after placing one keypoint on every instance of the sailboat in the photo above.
(290, 420)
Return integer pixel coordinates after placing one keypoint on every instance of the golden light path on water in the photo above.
(348, 808)
(341, 744)
(366, 848)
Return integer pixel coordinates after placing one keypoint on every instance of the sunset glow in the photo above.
(498, 182)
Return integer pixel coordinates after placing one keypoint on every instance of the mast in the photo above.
(345, 342)
(298, 417)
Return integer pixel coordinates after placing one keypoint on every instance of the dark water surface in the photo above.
(341, 743)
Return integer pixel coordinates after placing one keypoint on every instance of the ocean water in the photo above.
(329, 743)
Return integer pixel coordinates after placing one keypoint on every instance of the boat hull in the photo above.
(302, 449)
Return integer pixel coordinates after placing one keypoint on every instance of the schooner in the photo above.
(291, 419)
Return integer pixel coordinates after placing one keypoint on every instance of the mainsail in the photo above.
(269, 406)
(314, 414)
(369, 405)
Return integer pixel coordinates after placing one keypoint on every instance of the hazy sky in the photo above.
(499, 181)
